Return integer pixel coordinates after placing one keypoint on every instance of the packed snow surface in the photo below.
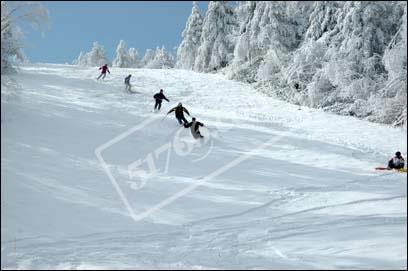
(91, 177)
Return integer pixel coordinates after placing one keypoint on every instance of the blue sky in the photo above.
(76, 25)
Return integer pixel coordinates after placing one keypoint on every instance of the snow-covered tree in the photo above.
(148, 57)
(322, 19)
(268, 33)
(134, 59)
(283, 26)
(245, 13)
(241, 67)
(340, 65)
(309, 58)
(354, 63)
(162, 60)
(81, 60)
(346, 57)
(186, 52)
(122, 57)
(96, 57)
(12, 15)
(10, 47)
(395, 90)
(218, 37)
(395, 55)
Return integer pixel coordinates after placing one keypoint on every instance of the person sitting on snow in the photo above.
(397, 161)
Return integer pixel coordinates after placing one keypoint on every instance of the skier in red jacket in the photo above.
(104, 69)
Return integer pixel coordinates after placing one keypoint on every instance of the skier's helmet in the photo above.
(193, 119)
(398, 154)
(161, 91)
(180, 104)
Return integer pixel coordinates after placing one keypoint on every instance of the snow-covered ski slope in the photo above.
(271, 186)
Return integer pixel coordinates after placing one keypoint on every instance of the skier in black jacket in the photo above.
(159, 97)
(194, 128)
(179, 111)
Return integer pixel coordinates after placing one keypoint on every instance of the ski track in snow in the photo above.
(311, 199)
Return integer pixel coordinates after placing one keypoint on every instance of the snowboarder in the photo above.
(104, 69)
(179, 109)
(159, 97)
(194, 128)
(397, 161)
(127, 82)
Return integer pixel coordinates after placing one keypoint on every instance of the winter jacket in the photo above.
(179, 111)
(396, 162)
(104, 69)
(194, 128)
(159, 97)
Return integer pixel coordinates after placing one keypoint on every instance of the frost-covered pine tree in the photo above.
(218, 37)
(186, 52)
(245, 13)
(240, 68)
(134, 59)
(97, 56)
(322, 19)
(122, 57)
(81, 60)
(162, 60)
(281, 31)
(148, 57)
(269, 32)
(394, 94)
(343, 61)
(308, 59)
(346, 57)
(354, 68)
(363, 36)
